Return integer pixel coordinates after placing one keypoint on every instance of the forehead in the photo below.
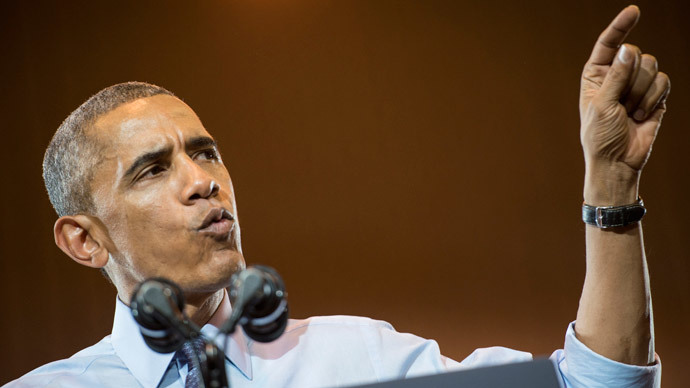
(146, 123)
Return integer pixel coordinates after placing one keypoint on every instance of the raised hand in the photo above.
(622, 101)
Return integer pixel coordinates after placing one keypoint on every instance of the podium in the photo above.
(540, 373)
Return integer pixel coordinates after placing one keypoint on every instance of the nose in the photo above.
(198, 183)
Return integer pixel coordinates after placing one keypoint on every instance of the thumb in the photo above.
(620, 75)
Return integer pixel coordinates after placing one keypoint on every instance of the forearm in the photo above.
(615, 314)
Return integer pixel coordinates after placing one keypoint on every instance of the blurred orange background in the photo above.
(412, 161)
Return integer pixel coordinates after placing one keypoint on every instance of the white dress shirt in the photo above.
(315, 352)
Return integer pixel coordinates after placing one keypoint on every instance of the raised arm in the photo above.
(622, 101)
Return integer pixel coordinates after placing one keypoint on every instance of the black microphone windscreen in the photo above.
(266, 314)
(151, 305)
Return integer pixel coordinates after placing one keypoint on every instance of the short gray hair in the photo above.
(71, 156)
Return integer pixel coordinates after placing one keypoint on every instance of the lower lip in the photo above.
(218, 228)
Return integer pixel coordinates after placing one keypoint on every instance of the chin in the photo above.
(216, 274)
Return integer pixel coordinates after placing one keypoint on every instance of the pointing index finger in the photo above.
(610, 40)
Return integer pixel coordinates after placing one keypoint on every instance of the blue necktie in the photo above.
(189, 355)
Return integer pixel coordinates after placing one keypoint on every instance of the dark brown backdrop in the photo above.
(417, 162)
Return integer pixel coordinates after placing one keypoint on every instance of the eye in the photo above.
(209, 154)
(154, 170)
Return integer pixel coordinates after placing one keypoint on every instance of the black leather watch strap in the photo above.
(613, 216)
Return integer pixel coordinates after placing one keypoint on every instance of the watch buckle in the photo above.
(599, 217)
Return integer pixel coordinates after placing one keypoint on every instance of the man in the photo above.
(141, 191)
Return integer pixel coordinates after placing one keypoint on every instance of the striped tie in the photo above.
(189, 355)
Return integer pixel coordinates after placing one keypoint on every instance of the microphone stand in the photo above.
(212, 365)
(210, 361)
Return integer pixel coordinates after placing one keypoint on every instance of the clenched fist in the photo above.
(622, 101)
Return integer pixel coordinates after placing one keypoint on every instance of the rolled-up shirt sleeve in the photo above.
(580, 367)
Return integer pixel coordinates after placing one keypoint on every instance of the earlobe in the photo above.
(78, 237)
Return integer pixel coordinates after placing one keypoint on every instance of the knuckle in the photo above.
(663, 78)
(603, 41)
(648, 58)
(648, 61)
(664, 82)
(616, 72)
(633, 48)
(592, 74)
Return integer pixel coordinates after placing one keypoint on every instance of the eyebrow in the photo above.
(198, 142)
(194, 143)
(146, 159)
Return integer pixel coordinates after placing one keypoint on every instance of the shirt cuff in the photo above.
(581, 367)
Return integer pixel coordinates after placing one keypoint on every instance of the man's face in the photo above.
(165, 198)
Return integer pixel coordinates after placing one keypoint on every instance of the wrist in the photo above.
(610, 185)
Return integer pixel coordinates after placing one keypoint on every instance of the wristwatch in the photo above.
(613, 216)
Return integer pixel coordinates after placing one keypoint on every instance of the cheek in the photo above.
(152, 219)
(145, 223)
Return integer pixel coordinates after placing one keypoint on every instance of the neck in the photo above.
(201, 309)
(213, 307)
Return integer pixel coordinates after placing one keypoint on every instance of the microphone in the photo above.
(157, 306)
(259, 303)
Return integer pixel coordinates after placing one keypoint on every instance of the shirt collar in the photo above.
(148, 366)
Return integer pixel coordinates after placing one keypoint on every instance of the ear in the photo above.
(82, 240)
